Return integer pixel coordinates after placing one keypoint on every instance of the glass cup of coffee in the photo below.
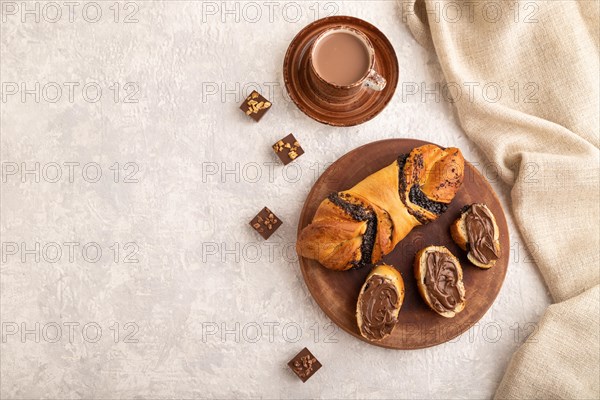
(341, 63)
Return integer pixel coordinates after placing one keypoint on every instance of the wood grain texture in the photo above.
(362, 107)
(418, 326)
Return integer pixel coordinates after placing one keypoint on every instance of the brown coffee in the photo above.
(341, 58)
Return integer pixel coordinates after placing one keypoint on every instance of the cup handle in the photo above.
(375, 81)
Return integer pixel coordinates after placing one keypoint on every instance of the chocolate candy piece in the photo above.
(255, 105)
(304, 365)
(288, 149)
(265, 223)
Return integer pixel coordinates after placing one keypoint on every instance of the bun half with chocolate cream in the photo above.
(379, 303)
(477, 233)
(440, 280)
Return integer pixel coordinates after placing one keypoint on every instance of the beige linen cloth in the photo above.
(545, 142)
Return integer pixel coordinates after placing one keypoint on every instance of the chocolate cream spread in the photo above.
(441, 281)
(480, 233)
(378, 304)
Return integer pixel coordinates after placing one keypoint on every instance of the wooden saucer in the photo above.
(418, 326)
(367, 104)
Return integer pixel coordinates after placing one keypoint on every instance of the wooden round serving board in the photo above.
(418, 326)
(367, 103)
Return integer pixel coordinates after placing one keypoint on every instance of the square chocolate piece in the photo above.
(265, 223)
(304, 365)
(288, 149)
(255, 105)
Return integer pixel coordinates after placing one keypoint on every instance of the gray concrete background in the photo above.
(128, 266)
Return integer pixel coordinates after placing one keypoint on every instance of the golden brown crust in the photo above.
(420, 270)
(372, 217)
(438, 173)
(458, 233)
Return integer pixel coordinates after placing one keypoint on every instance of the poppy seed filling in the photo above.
(419, 198)
(360, 213)
(416, 195)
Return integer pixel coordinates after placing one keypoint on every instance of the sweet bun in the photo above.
(358, 226)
